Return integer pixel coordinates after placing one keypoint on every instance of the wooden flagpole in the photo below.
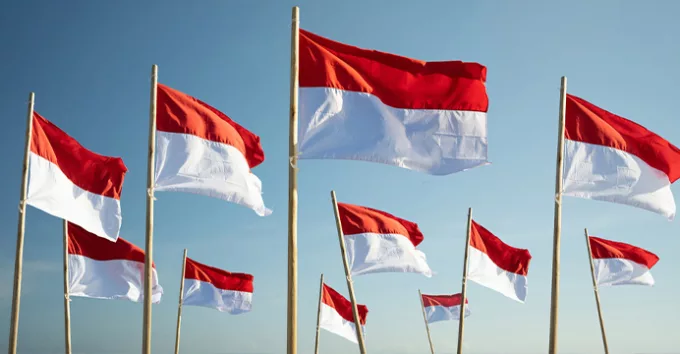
(350, 286)
(427, 325)
(555, 293)
(292, 184)
(463, 292)
(21, 227)
(67, 305)
(148, 260)
(318, 317)
(181, 298)
(597, 294)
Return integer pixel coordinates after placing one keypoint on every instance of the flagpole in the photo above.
(463, 292)
(597, 294)
(318, 318)
(67, 305)
(292, 184)
(555, 293)
(181, 298)
(21, 227)
(427, 325)
(350, 286)
(148, 260)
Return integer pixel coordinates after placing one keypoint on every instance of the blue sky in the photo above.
(89, 64)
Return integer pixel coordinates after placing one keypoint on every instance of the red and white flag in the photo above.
(613, 159)
(73, 183)
(102, 269)
(618, 263)
(444, 307)
(337, 317)
(217, 289)
(377, 242)
(201, 150)
(497, 265)
(360, 104)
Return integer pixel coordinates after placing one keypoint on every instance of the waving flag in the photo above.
(444, 307)
(216, 288)
(336, 315)
(618, 263)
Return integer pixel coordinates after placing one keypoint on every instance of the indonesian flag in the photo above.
(103, 269)
(618, 263)
(361, 104)
(73, 183)
(613, 159)
(443, 307)
(200, 150)
(217, 289)
(497, 265)
(378, 242)
(336, 315)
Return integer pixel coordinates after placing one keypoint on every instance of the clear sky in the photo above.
(89, 63)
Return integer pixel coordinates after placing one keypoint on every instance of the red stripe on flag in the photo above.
(219, 278)
(602, 248)
(343, 306)
(357, 219)
(443, 300)
(506, 257)
(97, 174)
(86, 244)
(397, 81)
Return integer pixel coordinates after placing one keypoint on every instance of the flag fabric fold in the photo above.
(618, 263)
(610, 158)
(102, 269)
(201, 150)
(337, 317)
(496, 265)
(376, 242)
(73, 183)
(218, 289)
(444, 307)
(359, 104)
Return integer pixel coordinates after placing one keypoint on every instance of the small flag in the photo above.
(618, 263)
(444, 307)
(70, 182)
(102, 269)
(377, 242)
(497, 265)
(336, 315)
(216, 288)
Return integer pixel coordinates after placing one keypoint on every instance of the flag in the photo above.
(618, 263)
(217, 289)
(70, 182)
(103, 269)
(360, 104)
(201, 150)
(613, 159)
(337, 317)
(443, 307)
(497, 265)
(378, 242)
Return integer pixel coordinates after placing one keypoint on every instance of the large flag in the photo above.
(361, 104)
(102, 269)
(497, 265)
(201, 150)
(377, 242)
(216, 288)
(336, 315)
(618, 263)
(73, 183)
(613, 159)
(444, 307)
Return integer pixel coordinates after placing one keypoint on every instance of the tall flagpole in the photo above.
(292, 184)
(350, 286)
(148, 260)
(19, 255)
(555, 294)
(463, 292)
(318, 318)
(597, 294)
(181, 298)
(427, 325)
(67, 305)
